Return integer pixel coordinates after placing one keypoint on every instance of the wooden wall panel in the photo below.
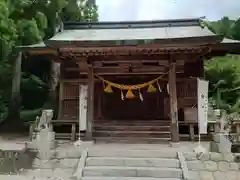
(187, 96)
(70, 109)
(71, 91)
(70, 101)
(187, 88)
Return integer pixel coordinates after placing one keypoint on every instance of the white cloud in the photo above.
(123, 10)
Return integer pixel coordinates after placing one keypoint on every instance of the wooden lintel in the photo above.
(111, 70)
(143, 58)
(126, 68)
(83, 65)
(173, 102)
(75, 81)
(98, 64)
(129, 73)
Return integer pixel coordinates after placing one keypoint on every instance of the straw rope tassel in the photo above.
(108, 89)
(130, 94)
(151, 88)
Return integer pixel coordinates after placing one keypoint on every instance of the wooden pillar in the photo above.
(60, 99)
(173, 102)
(90, 104)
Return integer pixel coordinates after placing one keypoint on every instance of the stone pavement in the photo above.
(209, 166)
(66, 158)
(213, 166)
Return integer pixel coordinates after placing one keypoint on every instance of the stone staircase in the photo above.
(131, 164)
(155, 131)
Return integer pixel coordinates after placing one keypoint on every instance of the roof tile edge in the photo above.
(132, 24)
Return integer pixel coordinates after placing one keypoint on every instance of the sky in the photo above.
(127, 10)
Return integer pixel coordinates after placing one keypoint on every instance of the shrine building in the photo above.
(130, 81)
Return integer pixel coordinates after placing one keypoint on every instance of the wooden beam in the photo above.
(140, 49)
(124, 67)
(83, 65)
(129, 73)
(135, 70)
(143, 58)
(173, 102)
(90, 104)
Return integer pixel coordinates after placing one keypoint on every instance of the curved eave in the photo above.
(38, 49)
(228, 48)
(118, 43)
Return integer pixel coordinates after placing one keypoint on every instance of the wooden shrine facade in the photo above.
(130, 53)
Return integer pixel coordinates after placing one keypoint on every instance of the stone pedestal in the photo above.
(221, 143)
(45, 142)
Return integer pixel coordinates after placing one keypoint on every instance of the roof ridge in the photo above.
(133, 24)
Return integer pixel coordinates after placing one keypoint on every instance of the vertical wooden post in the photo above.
(60, 99)
(99, 108)
(173, 102)
(90, 104)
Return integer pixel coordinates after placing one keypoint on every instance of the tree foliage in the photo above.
(25, 22)
(223, 73)
(226, 27)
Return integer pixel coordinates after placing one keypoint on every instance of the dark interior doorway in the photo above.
(114, 108)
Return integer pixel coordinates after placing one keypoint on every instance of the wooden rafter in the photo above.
(130, 50)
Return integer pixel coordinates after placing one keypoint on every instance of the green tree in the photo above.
(80, 10)
(236, 30)
(223, 72)
(222, 27)
(25, 22)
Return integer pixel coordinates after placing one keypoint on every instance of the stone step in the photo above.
(126, 178)
(133, 140)
(132, 162)
(132, 153)
(115, 171)
(124, 133)
(131, 128)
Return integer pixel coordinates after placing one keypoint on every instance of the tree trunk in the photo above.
(53, 84)
(52, 102)
(13, 122)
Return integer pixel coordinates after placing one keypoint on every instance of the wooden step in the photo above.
(131, 140)
(144, 134)
(98, 127)
(133, 123)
